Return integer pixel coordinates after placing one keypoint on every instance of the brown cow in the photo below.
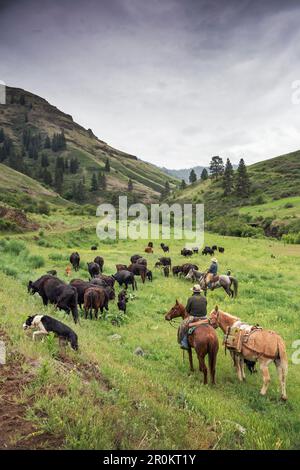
(139, 270)
(148, 249)
(95, 298)
(121, 267)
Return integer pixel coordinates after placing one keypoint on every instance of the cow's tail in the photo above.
(235, 285)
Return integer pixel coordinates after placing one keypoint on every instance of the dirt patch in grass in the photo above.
(86, 371)
(17, 432)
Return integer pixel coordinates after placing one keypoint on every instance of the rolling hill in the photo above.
(272, 207)
(29, 120)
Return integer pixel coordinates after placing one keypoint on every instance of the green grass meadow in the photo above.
(151, 401)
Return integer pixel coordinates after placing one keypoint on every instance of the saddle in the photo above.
(193, 325)
(237, 336)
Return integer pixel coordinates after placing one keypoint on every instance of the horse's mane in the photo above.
(229, 315)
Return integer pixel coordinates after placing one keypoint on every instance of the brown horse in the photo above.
(204, 340)
(264, 346)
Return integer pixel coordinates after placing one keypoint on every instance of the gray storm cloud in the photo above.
(173, 82)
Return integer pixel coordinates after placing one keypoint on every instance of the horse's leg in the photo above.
(266, 375)
(242, 366)
(212, 357)
(191, 359)
(203, 368)
(281, 367)
(239, 368)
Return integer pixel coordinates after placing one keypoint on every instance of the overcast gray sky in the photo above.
(171, 81)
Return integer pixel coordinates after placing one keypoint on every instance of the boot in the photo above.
(184, 344)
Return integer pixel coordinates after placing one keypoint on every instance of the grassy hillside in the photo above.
(272, 207)
(105, 396)
(26, 112)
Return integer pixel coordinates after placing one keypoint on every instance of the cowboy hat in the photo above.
(214, 260)
(196, 288)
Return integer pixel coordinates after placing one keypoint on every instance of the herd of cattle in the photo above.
(96, 293)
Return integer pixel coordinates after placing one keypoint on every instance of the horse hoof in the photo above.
(283, 398)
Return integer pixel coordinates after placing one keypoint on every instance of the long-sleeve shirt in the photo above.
(197, 306)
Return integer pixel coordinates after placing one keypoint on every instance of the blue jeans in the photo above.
(184, 342)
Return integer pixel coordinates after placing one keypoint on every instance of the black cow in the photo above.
(186, 267)
(221, 249)
(176, 270)
(214, 247)
(138, 270)
(81, 287)
(166, 271)
(75, 260)
(94, 247)
(150, 244)
(54, 291)
(196, 250)
(134, 258)
(165, 248)
(94, 269)
(186, 252)
(100, 261)
(122, 301)
(165, 261)
(149, 275)
(125, 278)
(208, 251)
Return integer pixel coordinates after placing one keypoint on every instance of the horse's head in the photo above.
(177, 310)
(214, 317)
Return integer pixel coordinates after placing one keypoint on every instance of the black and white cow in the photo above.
(45, 325)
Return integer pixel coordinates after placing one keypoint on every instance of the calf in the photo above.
(166, 271)
(164, 247)
(149, 275)
(95, 298)
(75, 260)
(45, 325)
(93, 268)
(125, 278)
(100, 261)
(122, 301)
(176, 270)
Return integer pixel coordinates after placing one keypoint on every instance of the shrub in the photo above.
(55, 256)
(36, 261)
(288, 205)
(15, 247)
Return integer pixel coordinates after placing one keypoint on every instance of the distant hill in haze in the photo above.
(183, 173)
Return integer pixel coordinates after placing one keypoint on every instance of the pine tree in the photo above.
(47, 177)
(204, 174)
(74, 165)
(44, 160)
(79, 192)
(182, 184)
(101, 181)
(94, 183)
(2, 135)
(107, 165)
(193, 176)
(167, 188)
(228, 178)
(130, 185)
(242, 185)
(47, 144)
(216, 167)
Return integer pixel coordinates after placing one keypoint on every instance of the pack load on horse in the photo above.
(200, 335)
(252, 343)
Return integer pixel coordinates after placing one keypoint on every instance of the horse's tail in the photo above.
(282, 351)
(235, 285)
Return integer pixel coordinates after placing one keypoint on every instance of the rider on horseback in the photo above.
(197, 308)
(211, 272)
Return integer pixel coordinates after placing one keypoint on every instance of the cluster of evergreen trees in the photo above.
(98, 182)
(233, 182)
